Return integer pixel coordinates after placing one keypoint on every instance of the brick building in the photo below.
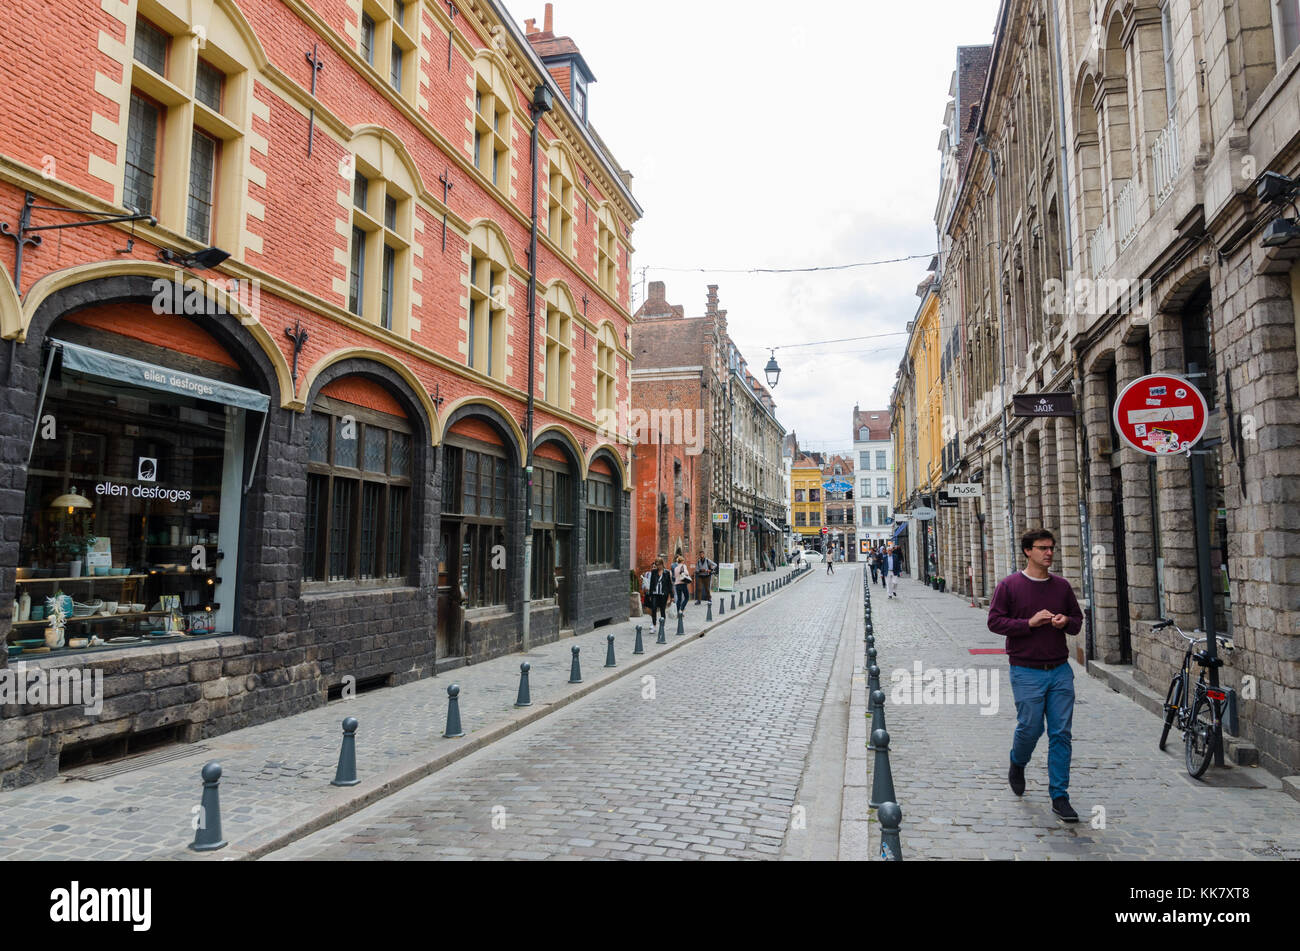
(841, 516)
(1100, 221)
(697, 408)
(302, 465)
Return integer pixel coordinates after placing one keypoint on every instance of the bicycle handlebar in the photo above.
(1163, 623)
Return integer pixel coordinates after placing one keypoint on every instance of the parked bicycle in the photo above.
(1198, 708)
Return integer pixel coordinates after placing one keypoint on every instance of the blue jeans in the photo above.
(683, 596)
(1039, 694)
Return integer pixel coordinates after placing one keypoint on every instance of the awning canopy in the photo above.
(110, 366)
(899, 529)
(772, 526)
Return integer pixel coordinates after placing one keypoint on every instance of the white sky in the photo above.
(761, 137)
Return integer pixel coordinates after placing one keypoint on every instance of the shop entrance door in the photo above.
(450, 592)
(1121, 568)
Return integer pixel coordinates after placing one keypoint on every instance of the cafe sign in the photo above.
(1043, 404)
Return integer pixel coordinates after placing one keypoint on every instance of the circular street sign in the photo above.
(826, 531)
(743, 525)
(1161, 415)
(923, 514)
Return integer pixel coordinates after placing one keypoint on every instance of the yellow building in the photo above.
(806, 502)
(924, 349)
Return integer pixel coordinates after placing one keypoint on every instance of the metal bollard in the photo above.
(709, 617)
(877, 708)
(525, 698)
(662, 639)
(453, 730)
(733, 601)
(207, 836)
(871, 655)
(873, 677)
(882, 780)
(722, 605)
(681, 627)
(891, 817)
(346, 774)
(575, 670)
(639, 649)
(609, 652)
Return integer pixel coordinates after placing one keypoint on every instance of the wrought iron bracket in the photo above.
(25, 228)
(299, 337)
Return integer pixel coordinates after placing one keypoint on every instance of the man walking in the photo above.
(704, 569)
(871, 562)
(1034, 610)
(893, 568)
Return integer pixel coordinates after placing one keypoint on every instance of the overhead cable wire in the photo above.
(787, 270)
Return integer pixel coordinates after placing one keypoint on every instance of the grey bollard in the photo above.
(525, 698)
(882, 780)
(891, 817)
(662, 638)
(575, 669)
(709, 617)
(681, 626)
(639, 649)
(346, 774)
(877, 708)
(871, 655)
(722, 605)
(453, 731)
(873, 677)
(207, 834)
(733, 602)
(609, 652)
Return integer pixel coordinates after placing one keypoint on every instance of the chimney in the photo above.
(530, 27)
(713, 301)
(657, 292)
(550, 19)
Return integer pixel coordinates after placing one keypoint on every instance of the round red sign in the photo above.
(1161, 415)
(743, 525)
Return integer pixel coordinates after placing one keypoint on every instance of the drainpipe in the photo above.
(982, 143)
(540, 105)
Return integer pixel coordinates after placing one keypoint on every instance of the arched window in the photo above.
(606, 371)
(560, 200)
(489, 271)
(492, 122)
(187, 113)
(559, 347)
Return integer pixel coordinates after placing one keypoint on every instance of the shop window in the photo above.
(552, 529)
(184, 130)
(358, 495)
(560, 201)
(492, 123)
(380, 247)
(388, 41)
(602, 542)
(559, 348)
(475, 503)
(132, 495)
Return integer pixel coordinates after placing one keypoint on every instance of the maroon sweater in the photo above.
(1017, 599)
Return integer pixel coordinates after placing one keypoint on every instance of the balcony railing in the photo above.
(1166, 161)
(1126, 224)
(1099, 250)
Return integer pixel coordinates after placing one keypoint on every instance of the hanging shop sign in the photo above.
(721, 518)
(965, 490)
(1043, 404)
(923, 514)
(1161, 415)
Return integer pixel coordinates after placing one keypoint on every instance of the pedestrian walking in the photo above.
(704, 569)
(893, 568)
(873, 563)
(1034, 610)
(681, 583)
(830, 561)
(882, 555)
(657, 585)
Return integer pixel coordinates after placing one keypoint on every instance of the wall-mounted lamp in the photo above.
(198, 261)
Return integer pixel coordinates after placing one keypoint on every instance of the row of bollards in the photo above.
(207, 823)
(883, 797)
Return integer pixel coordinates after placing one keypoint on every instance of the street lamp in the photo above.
(773, 371)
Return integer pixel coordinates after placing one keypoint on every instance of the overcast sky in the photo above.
(762, 137)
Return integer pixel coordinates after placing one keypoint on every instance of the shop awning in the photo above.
(899, 529)
(772, 526)
(109, 366)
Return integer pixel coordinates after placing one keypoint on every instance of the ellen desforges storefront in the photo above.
(148, 461)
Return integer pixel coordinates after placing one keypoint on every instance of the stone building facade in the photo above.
(302, 466)
(1099, 221)
(873, 453)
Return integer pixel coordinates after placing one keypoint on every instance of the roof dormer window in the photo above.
(580, 100)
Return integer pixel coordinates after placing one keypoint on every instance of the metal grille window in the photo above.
(151, 46)
(358, 495)
(203, 170)
(208, 83)
(601, 535)
(368, 39)
(141, 154)
(357, 277)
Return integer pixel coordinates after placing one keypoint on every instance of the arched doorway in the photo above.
(555, 516)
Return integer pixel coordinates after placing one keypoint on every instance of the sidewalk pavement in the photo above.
(949, 762)
(275, 786)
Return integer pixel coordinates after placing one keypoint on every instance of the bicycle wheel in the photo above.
(1200, 738)
(1173, 701)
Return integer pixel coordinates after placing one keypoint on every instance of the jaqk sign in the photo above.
(1161, 415)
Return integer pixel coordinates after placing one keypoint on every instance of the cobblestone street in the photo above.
(949, 765)
(704, 761)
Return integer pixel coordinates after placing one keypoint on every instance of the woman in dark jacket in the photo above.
(661, 587)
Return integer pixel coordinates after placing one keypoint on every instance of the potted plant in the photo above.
(73, 545)
(943, 585)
